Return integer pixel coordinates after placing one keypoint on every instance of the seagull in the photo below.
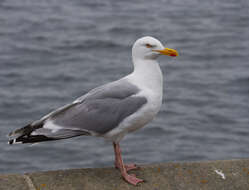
(111, 110)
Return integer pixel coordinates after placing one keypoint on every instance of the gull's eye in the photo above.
(148, 45)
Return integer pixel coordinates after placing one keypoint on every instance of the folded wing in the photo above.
(96, 113)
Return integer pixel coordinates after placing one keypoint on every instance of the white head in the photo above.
(150, 48)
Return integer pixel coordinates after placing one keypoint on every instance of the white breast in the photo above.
(149, 81)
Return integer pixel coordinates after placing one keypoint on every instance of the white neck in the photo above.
(147, 74)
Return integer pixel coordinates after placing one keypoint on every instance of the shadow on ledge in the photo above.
(211, 175)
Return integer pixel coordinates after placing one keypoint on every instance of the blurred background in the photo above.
(52, 52)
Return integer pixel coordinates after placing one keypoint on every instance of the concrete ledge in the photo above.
(211, 175)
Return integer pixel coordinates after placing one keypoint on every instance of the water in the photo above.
(52, 52)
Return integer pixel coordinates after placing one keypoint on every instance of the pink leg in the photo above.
(123, 169)
(128, 167)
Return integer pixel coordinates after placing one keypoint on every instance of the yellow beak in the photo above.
(168, 51)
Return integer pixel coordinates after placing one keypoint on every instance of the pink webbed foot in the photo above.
(132, 179)
(128, 167)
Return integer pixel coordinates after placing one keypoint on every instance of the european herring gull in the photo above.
(110, 111)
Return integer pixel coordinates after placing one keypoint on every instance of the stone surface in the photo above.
(211, 175)
(13, 182)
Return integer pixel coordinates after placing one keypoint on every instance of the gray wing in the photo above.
(101, 110)
(97, 112)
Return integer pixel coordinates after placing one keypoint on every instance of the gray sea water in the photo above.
(52, 52)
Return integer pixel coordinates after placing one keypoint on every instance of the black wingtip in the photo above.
(11, 142)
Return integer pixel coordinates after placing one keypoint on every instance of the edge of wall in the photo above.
(205, 175)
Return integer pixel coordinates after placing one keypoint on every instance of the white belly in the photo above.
(138, 119)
